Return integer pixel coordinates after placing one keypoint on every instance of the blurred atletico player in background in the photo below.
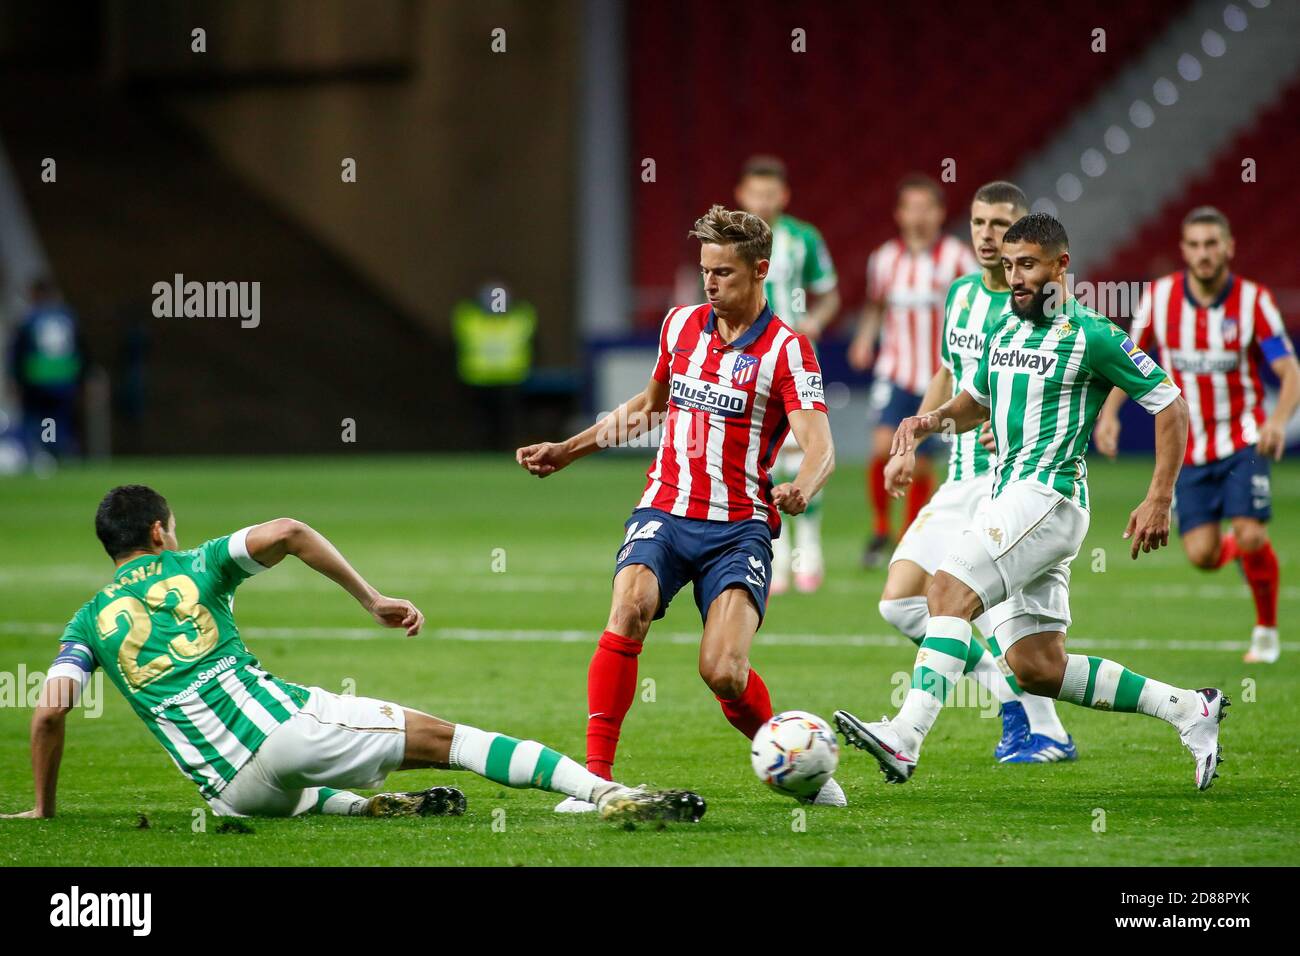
(1214, 326)
(907, 281)
(801, 289)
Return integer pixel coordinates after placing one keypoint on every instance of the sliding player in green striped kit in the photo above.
(1044, 372)
(1031, 731)
(163, 630)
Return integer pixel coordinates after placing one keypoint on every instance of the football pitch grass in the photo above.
(513, 575)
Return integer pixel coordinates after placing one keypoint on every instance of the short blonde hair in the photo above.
(751, 236)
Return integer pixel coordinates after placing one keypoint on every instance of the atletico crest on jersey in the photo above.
(745, 369)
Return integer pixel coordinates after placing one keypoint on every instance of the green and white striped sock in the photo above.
(1104, 685)
(939, 664)
(910, 616)
(520, 763)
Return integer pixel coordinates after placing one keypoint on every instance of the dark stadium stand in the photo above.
(981, 85)
(138, 200)
(1262, 213)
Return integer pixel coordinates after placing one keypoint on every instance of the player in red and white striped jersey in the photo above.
(1214, 328)
(733, 380)
(907, 282)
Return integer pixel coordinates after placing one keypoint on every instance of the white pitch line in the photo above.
(440, 579)
(558, 636)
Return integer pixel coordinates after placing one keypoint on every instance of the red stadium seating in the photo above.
(883, 89)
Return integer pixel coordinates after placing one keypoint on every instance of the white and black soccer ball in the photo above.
(795, 752)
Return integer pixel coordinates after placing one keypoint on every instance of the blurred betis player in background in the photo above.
(801, 289)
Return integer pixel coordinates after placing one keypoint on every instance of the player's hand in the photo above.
(25, 815)
(905, 437)
(1148, 526)
(1106, 435)
(542, 459)
(396, 612)
(1272, 440)
(986, 437)
(810, 330)
(898, 473)
(862, 352)
(789, 498)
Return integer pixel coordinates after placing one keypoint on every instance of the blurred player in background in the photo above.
(163, 630)
(731, 380)
(907, 279)
(1031, 732)
(802, 290)
(1214, 327)
(47, 363)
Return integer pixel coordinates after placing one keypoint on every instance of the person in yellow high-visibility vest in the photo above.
(494, 355)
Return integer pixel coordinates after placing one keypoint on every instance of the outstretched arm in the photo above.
(1272, 434)
(899, 468)
(823, 311)
(269, 543)
(638, 415)
(961, 411)
(1148, 525)
(1105, 434)
(57, 697)
(812, 430)
(862, 349)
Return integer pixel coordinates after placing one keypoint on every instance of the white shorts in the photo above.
(929, 537)
(1016, 556)
(333, 741)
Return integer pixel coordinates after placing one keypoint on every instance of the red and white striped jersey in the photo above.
(1213, 355)
(728, 413)
(912, 287)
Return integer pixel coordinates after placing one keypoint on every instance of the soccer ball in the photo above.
(795, 753)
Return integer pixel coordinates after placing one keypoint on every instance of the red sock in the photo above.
(611, 685)
(879, 496)
(1262, 576)
(1228, 549)
(918, 494)
(751, 709)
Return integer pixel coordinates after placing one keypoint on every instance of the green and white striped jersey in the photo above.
(800, 266)
(971, 310)
(164, 632)
(1044, 383)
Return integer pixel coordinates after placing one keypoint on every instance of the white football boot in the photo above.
(1265, 646)
(1201, 735)
(830, 795)
(896, 757)
(574, 805)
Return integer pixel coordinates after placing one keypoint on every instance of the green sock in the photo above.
(1105, 685)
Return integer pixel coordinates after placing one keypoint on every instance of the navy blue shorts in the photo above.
(1233, 487)
(893, 403)
(715, 555)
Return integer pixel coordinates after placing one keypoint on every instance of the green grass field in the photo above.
(508, 649)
